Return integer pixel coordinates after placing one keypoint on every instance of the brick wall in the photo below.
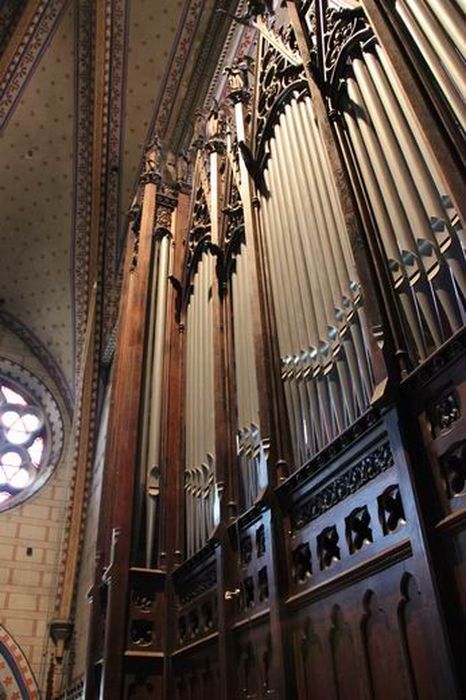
(31, 539)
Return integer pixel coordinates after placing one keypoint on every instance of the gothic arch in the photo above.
(16, 678)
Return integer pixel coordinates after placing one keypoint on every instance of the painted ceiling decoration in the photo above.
(79, 83)
(10, 12)
(35, 25)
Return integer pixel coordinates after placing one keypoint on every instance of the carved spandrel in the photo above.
(358, 530)
(141, 633)
(302, 563)
(260, 541)
(328, 547)
(444, 412)
(391, 511)
(453, 466)
(246, 550)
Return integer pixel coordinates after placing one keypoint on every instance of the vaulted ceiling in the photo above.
(83, 84)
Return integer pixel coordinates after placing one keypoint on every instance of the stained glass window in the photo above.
(23, 443)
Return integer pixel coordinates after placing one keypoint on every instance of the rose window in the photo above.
(23, 443)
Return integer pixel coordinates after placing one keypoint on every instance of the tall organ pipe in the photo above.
(439, 41)
(443, 78)
(155, 421)
(396, 210)
(451, 20)
(365, 160)
(415, 212)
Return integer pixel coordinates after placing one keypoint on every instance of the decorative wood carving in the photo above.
(358, 530)
(391, 512)
(281, 74)
(351, 481)
(444, 411)
(453, 465)
(328, 547)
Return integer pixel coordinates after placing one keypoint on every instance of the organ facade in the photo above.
(284, 490)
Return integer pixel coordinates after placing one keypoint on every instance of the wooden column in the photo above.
(122, 452)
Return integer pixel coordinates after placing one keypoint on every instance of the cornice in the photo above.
(25, 48)
(201, 75)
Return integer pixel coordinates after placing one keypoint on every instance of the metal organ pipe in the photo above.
(296, 293)
(451, 20)
(435, 47)
(415, 213)
(384, 224)
(283, 318)
(326, 374)
(313, 363)
(200, 428)
(428, 199)
(155, 425)
(414, 216)
(397, 213)
(446, 52)
(337, 275)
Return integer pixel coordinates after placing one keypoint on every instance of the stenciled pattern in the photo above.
(16, 679)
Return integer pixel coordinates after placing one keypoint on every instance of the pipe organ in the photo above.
(437, 29)
(200, 425)
(320, 319)
(422, 236)
(289, 515)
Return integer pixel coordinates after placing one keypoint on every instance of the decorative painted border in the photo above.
(115, 43)
(187, 26)
(14, 668)
(169, 85)
(117, 92)
(34, 42)
(37, 347)
(79, 262)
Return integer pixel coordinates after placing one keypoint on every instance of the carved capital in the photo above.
(150, 178)
(60, 633)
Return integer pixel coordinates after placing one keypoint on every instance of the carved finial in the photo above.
(152, 162)
(255, 8)
(238, 79)
(198, 131)
(182, 168)
(215, 129)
